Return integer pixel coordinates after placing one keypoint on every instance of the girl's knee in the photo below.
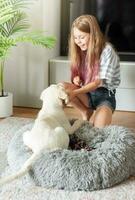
(103, 117)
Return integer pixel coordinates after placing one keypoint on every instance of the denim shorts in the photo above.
(102, 96)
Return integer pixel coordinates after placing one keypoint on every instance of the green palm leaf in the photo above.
(37, 38)
(6, 13)
(5, 46)
(17, 24)
(16, 3)
(19, 21)
(14, 29)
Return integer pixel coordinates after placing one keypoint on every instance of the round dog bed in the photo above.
(110, 160)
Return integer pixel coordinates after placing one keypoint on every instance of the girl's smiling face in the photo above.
(81, 39)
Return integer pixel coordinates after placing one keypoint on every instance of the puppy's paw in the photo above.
(78, 123)
(26, 137)
(55, 150)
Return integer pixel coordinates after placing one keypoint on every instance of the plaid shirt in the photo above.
(109, 68)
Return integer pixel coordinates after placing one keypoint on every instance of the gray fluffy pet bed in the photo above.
(110, 161)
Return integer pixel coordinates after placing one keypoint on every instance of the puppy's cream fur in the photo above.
(51, 128)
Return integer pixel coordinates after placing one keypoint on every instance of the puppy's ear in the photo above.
(62, 94)
(42, 95)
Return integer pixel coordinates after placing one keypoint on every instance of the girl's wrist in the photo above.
(76, 92)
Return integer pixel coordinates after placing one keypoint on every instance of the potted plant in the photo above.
(14, 28)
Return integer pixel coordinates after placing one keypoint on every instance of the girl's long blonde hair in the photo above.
(87, 24)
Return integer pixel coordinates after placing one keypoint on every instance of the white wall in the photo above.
(26, 71)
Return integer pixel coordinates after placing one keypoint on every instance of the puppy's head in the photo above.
(54, 95)
(62, 93)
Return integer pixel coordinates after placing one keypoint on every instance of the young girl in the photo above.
(95, 72)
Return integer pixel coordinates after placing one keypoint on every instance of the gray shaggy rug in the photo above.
(110, 160)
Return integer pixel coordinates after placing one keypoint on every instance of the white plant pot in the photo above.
(6, 105)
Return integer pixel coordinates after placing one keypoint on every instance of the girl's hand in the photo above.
(70, 89)
(71, 95)
(77, 81)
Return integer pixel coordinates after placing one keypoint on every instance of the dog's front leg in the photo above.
(77, 124)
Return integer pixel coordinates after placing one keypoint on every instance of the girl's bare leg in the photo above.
(80, 102)
(85, 111)
(102, 116)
